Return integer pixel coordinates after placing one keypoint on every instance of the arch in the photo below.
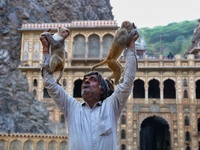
(79, 46)
(52, 145)
(185, 94)
(199, 145)
(123, 147)
(63, 145)
(62, 119)
(26, 47)
(185, 84)
(93, 46)
(34, 92)
(187, 136)
(64, 82)
(123, 119)
(35, 83)
(123, 134)
(107, 41)
(187, 121)
(3, 144)
(45, 93)
(41, 145)
(36, 51)
(171, 78)
(154, 89)
(77, 88)
(198, 125)
(197, 89)
(188, 147)
(15, 145)
(28, 145)
(25, 56)
(169, 89)
(138, 89)
(154, 134)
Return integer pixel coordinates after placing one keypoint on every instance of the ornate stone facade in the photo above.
(165, 92)
(32, 142)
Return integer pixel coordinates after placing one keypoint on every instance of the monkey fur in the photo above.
(57, 50)
(122, 37)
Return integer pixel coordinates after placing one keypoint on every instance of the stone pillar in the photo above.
(146, 91)
(129, 127)
(30, 51)
(101, 48)
(69, 49)
(70, 83)
(161, 93)
(86, 48)
(180, 124)
(40, 88)
(136, 131)
(179, 93)
(193, 124)
(192, 91)
(190, 58)
(178, 60)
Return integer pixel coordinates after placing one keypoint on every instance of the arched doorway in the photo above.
(154, 134)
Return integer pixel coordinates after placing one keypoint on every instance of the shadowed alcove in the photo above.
(154, 134)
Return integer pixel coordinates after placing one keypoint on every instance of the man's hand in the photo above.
(45, 43)
(132, 42)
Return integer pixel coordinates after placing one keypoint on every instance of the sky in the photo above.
(151, 13)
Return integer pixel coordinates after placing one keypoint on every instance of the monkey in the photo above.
(122, 37)
(57, 50)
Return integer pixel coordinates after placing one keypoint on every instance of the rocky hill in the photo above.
(195, 39)
(19, 110)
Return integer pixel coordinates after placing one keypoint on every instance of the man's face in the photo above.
(90, 88)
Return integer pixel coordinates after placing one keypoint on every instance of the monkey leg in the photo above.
(48, 69)
(116, 69)
(60, 76)
(121, 68)
(56, 63)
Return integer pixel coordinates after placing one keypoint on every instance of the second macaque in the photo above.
(57, 50)
(122, 37)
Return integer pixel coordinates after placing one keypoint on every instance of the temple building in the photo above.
(163, 110)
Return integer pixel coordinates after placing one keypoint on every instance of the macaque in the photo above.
(57, 50)
(122, 37)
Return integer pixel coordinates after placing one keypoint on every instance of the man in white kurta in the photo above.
(93, 126)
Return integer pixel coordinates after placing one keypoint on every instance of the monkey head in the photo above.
(128, 25)
(64, 32)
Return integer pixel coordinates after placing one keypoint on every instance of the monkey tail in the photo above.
(99, 64)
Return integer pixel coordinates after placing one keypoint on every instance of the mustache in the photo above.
(85, 85)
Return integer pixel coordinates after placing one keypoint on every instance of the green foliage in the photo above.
(175, 37)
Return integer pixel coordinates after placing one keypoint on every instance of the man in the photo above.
(170, 56)
(92, 125)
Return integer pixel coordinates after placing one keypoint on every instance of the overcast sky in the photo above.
(151, 13)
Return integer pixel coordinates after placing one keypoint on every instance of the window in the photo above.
(187, 121)
(35, 83)
(123, 119)
(94, 46)
(123, 134)
(79, 47)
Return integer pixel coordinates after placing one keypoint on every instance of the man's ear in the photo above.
(101, 90)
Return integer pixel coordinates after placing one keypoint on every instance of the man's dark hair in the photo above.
(106, 85)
